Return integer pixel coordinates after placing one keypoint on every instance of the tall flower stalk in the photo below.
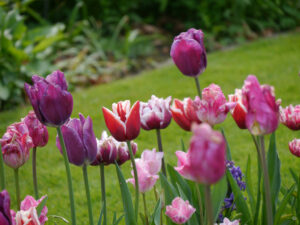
(145, 209)
(160, 148)
(2, 173)
(34, 176)
(17, 184)
(208, 205)
(198, 87)
(88, 196)
(103, 194)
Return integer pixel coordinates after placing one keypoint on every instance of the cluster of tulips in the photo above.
(204, 164)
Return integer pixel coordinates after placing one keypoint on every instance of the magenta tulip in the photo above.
(51, 101)
(156, 114)
(5, 214)
(294, 147)
(290, 117)
(188, 52)
(16, 143)
(80, 140)
(205, 160)
(239, 111)
(180, 211)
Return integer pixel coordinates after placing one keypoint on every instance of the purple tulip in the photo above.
(80, 140)
(188, 52)
(51, 101)
(5, 215)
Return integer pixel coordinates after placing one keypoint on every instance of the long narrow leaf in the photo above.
(249, 185)
(155, 218)
(219, 192)
(228, 152)
(41, 206)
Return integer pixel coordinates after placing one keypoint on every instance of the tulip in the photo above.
(239, 112)
(263, 110)
(123, 152)
(290, 117)
(226, 221)
(80, 140)
(51, 101)
(184, 113)
(212, 108)
(188, 52)
(123, 123)
(156, 114)
(180, 211)
(28, 217)
(5, 214)
(294, 147)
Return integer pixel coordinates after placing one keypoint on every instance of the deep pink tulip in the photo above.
(212, 108)
(5, 214)
(155, 114)
(123, 151)
(205, 160)
(28, 217)
(239, 111)
(29, 202)
(290, 117)
(51, 101)
(123, 123)
(188, 52)
(148, 167)
(226, 221)
(294, 147)
(80, 140)
(16, 143)
(180, 211)
(184, 113)
(263, 110)
(37, 131)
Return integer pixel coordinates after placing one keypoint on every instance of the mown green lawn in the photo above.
(275, 61)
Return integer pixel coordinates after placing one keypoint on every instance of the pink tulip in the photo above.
(28, 217)
(205, 160)
(148, 166)
(239, 112)
(16, 143)
(180, 211)
(156, 114)
(294, 146)
(290, 117)
(226, 221)
(123, 123)
(37, 131)
(29, 202)
(184, 113)
(212, 108)
(263, 110)
(123, 151)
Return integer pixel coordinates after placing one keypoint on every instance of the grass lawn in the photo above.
(275, 61)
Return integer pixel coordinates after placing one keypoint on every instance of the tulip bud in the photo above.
(123, 152)
(123, 123)
(294, 147)
(80, 140)
(188, 52)
(205, 160)
(156, 114)
(239, 112)
(51, 101)
(290, 117)
(180, 211)
(37, 131)
(16, 143)
(5, 214)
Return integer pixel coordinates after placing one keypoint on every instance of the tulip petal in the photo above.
(133, 122)
(114, 125)
(180, 119)
(58, 78)
(89, 139)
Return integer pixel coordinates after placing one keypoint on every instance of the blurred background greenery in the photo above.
(99, 41)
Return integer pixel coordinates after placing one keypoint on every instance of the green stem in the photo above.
(103, 194)
(17, 187)
(68, 171)
(266, 181)
(155, 193)
(88, 195)
(159, 143)
(135, 179)
(198, 87)
(2, 174)
(145, 209)
(35, 185)
(200, 204)
(208, 205)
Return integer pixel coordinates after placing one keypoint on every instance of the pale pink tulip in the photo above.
(294, 147)
(226, 221)
(180, 211)
(290, 116)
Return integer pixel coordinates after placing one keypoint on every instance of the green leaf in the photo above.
(101, 214)
(298, 200)
(126, 198)
(282, 205)
(40, 207)
(240, 202)
(155, 218)
(228, 152)
(47, 42)
(182, 145)
(4, 92)
(249, 185)
(118, 220)
(219, 192)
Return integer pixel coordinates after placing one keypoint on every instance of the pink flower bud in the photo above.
(123, 123)
(156, 114)
(123, 151)
(28, 217)
(180, 211)
(290, 117)
(205, 160)
(212, 108)
(16, 143)
(294, 146)
(226, 221)
(188, 52)
(37, 131)
(239, 112)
